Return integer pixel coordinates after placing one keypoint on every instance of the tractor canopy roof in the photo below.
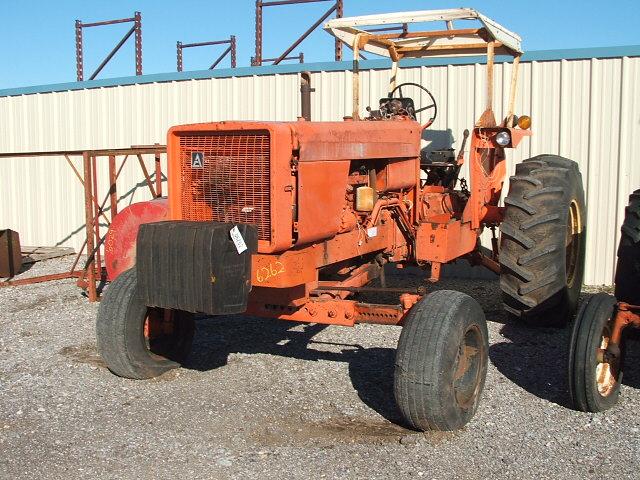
(388, 34)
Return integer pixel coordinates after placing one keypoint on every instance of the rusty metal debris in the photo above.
(10, 254)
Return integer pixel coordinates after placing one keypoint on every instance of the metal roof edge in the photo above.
(532, 56)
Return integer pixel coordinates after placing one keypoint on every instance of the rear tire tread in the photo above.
(534, 238)
(627, 278)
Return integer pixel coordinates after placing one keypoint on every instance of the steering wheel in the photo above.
(422, 109)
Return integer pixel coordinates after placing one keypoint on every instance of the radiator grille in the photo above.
(233, 183)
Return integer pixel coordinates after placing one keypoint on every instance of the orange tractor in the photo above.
(596, 352)
(293, 220)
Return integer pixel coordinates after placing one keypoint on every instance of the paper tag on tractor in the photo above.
(238, 241)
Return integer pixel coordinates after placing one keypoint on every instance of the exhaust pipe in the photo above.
(305, 95)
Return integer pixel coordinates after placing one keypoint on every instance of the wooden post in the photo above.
(490, 62)
(356, 77)
(394, 76)
(512, 91)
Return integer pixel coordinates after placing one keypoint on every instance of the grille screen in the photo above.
(233, 183)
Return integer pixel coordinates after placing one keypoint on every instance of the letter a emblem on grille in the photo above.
(197, 160)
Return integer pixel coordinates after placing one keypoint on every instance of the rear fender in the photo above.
(120, 244)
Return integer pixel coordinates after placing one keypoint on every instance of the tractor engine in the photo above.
(298, 182)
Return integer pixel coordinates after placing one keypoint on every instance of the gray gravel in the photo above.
(268, 399)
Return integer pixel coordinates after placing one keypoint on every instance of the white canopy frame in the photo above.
(489, 39)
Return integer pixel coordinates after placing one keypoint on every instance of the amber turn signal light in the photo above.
(524, 122)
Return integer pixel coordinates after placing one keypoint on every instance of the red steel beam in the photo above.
(88, 214)
(41, 278)
(204, 44)
(158, 167)
(138, 42)
(231, 49)
(305, 35)
(224, 54)
(112, 53)
(338, 43)
(108, 22)
(96, 212)
(299, 57)
(133, 150)
(113, 195)
(288, 2)
(79, 52)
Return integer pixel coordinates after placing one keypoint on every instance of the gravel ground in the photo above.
(268, 399)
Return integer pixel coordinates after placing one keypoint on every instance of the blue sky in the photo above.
(38, 45)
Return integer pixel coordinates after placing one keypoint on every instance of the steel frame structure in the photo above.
(299, 57)
(135, 29)
(231, 49)
(257, 60)
(93, 271)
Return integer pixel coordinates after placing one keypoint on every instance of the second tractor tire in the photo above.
(628, 268)
(593, 386)
(543, 240)
(441, 361)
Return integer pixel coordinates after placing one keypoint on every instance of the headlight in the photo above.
(503, 139)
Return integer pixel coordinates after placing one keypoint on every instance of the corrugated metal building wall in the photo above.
(585, 105)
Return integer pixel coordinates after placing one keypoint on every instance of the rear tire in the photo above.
(137, 341)
(543, 240)
(593, 386)
(628, 268)
(441, 361)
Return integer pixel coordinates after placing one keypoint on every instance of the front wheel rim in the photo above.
(467, 376)
(607, 371)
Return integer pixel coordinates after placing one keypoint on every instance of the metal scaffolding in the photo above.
(231, 49)
(257, 60)
(135, 29)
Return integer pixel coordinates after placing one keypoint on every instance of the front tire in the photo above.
(543, 240)
(137, 341)
(441, 361)
(594, 385)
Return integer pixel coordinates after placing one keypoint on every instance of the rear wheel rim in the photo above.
(468, 367)
(572, 242)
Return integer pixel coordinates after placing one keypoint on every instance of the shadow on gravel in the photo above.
(370, 369)
(534, 359)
